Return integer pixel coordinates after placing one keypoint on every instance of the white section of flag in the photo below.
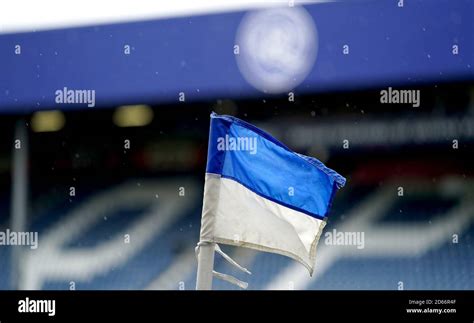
(235, 215)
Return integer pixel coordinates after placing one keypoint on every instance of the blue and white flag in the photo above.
(260, 194)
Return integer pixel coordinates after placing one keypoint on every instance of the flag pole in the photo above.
(206, 246)
(205, 265)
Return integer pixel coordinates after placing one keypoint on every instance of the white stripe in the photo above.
(52, 262)
(390, 240)
(175, 275)
(28, 15)
(244, 218)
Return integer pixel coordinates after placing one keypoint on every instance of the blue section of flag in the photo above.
(244, 153)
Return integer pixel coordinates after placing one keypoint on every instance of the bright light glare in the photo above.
(47, 121)
(133, 116)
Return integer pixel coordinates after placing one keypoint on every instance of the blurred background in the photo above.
(114, 188)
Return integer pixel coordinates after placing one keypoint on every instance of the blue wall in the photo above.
(388, 46)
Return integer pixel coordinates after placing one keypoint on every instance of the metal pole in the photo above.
(19, 199)
(205, 266)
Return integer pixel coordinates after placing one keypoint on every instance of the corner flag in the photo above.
(260, 194)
